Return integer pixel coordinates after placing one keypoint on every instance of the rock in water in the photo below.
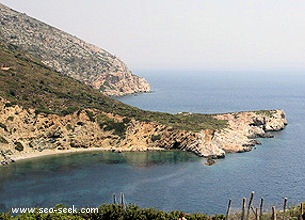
(210, 161)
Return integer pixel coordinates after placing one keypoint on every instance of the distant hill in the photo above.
(69, 55)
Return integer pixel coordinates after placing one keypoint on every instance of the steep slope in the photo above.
(69, 55)
(44, 112)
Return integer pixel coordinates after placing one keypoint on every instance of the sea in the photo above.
(177, 180)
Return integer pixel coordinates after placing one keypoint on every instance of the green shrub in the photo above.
(3, 140)
(19, 146)
(118, 127)
(10, 118)
(69, 110)
(126, 120)
(6, 216)
(267, 113)
(12, 92)
(108, 124)
(133, 212)
(69, 127)
(155, 137)
(90, 115)
(10, 104)
(3, 126)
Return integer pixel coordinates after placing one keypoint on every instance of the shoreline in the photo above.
(45, 153)
(27, 135)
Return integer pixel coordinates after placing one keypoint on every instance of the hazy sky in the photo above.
(188, 34)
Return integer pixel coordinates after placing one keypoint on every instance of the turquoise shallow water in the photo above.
(177, 180)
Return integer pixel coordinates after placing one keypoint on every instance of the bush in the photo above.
(90, 115)
(3, 140)
(69, 127)
(12, 92)
(10, 104)
(126, 120)
(108, 124)
(155, 137)
(5, 216)
(19, 146)
(69, 110)
(10, 118)
(118, 127)
(3, 126)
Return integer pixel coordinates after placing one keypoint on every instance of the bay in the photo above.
(178, 180)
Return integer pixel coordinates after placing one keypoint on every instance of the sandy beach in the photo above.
(35, 154)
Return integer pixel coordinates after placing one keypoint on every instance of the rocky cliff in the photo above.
(23, 132)
(69, 55)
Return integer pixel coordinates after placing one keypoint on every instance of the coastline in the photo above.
(57, 137)
(49, 152)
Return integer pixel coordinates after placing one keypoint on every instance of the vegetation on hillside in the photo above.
(115, 212)
(133, 212)
(25, 81)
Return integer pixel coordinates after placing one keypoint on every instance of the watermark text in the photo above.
(60, 210)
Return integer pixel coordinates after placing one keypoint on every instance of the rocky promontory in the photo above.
(24, 132)
(69, 55)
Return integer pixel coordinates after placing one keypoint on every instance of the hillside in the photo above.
(27, 82)
(43, 112)
(69, 55)
(36, 102)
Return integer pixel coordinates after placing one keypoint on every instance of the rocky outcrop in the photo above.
(239, 136)
(245, 127)
(69, 55)
(22, 132)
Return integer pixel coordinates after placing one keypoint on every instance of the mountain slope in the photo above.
(43, 112)
(69, 55)
(25, 81)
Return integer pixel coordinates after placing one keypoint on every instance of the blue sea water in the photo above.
(178, 180)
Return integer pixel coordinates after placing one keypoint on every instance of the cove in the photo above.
(90, 179)
(178, 180)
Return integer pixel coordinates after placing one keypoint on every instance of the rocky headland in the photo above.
(24, 133)
(68, 55)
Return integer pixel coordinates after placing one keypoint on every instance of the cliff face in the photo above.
(22, 131)
(69, 55)
(245, 127)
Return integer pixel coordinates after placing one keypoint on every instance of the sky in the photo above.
(184, 34)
